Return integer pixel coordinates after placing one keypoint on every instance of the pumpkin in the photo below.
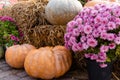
(112, 0)
(48, 62)
(60, 12)
(1, 52)
(15, 55)
(94, 2)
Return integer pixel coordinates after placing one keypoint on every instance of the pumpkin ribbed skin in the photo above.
(15, 55)
(60, 12)
(48, 62)
(63, 60)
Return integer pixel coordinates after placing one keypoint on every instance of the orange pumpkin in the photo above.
(112, 0)
(48, 62)
(15, 55)
(94, 2)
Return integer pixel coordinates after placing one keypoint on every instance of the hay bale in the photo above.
(24, 13)
(41, 1)
(1, 12)
(41, 4)
(45, 35)
(42, 17)
(6, 12)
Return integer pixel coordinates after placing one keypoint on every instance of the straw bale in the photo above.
(41, 1)
(41, 4)
(6, 12)
(41, 18)
(24, 13)
(1, 12)
(45, 35)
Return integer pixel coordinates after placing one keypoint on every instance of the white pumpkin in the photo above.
(60, 12)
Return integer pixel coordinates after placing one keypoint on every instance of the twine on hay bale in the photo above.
(45, 35)
(24, 13)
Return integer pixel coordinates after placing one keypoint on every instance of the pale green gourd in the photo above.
(60, 12)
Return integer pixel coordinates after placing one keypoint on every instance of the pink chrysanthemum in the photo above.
(103, 65)
(87, 29)
(85, 46)
(110, 37)
(111, 25)
(103, 35)
(112, 45)
(92, 42)
(95, 31)
(104, 48)
(117, 40)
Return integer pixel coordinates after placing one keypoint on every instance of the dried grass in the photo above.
(79, 61)
(41, 1)
(117, 68)
(1, 12)
(25, 15)
(41, 4)
(6, 12)
(45, 35)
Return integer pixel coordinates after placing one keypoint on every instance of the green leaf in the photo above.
(108, 59)
(117, 53)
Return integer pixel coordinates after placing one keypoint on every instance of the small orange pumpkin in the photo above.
(94, 2)
(48, 62)
(15, 55)
(112, 0)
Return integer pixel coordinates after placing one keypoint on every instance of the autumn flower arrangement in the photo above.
(9, 34)
(96, 32)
